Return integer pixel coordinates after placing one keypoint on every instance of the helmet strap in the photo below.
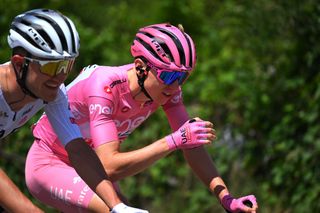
(142, 75)
(21, 79)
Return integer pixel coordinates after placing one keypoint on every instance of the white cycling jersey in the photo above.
(57, 111)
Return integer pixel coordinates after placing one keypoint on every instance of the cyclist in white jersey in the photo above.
(45, 44)
(108, 104)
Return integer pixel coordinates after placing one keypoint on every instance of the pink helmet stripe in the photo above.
(155, 46)
(138, 49)
(168, 41)
(180, 42)
(192, 50)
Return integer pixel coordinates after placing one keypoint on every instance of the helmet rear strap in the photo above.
(21, 79)
(143, 73)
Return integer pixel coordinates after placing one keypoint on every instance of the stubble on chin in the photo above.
(49, 97)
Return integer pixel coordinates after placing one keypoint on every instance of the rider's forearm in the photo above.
(12, 199)
(89, 167)
(123, 164)
(203, 166)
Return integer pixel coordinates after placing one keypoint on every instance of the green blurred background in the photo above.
(257, 79)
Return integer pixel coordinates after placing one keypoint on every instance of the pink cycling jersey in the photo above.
(104, 109)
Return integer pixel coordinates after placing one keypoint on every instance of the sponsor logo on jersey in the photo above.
(76, 180)
(107, 90)
(27, 111)
(61, 194)
(82, 195)
(3, 114)
(117, 82)
(127, 126)
(90, 67)
(100, 109)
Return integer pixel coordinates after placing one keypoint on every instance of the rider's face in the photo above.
(160, 92)
(42, 85)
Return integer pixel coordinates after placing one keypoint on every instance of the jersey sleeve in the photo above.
(61, 118)
(176, 111)
(102, 125)
(101, 101)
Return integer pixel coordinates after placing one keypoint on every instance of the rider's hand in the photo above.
(192, 133)
(236, 205)
(122, 208)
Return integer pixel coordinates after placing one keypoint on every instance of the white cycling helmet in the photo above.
(45, 34)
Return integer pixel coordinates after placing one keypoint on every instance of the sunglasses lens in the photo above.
(55, 68)
(169, 77)
(183, 78)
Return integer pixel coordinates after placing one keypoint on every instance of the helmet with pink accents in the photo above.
(165, 46)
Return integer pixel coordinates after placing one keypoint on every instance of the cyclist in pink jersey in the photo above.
(45, 44)
(108, 104)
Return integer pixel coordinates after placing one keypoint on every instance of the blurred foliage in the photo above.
(257, 79)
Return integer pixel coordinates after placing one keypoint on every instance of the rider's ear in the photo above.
(140, 69)
(140, 66)
(17, 61)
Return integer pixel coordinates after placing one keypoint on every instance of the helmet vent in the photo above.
(59, 31)
(149, 48)
(177, 43)
(45, 33)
